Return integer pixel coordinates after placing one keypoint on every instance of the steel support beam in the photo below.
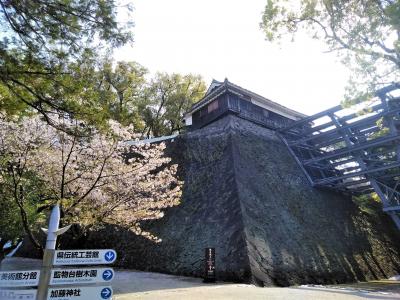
(366, 145)
(350, 152)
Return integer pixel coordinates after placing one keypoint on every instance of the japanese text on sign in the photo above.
(75, 274)
(19, 278)
(77, 254)
(65, 293)
(71, 293)
(84, 257)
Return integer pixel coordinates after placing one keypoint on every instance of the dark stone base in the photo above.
(245, 196)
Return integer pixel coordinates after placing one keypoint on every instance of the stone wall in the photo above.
(298, 234)
(246, 196)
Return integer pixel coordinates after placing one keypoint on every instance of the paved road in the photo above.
(144, 285)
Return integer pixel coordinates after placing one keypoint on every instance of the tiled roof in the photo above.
(217, 88)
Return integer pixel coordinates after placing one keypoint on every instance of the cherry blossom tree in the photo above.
(95, 176)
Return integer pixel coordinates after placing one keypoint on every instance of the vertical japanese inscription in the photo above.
(210, 274)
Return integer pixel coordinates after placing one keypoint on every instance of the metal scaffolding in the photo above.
(353, 150)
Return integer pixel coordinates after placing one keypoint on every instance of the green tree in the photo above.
(166, 99)
(49, 50)
(365, 33)
(122, 89)
(10, 226)
(21, 193)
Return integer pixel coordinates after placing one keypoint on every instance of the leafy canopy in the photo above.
(155, 104)
(365, 33)
(49, 49)
(121, 88)
(165, 100)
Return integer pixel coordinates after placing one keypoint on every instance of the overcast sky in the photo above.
(222, 38)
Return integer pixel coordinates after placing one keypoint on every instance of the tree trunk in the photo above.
(2, 255)
(2, 252)
(25, 221)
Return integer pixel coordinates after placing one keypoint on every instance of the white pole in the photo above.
(53, 228)
(48, 255)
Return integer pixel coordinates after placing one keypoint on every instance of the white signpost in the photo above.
(18, 294)
(19, 278)
(46, 276)
(81, 293)
(84, 257)
(77, 276)
(61, 277)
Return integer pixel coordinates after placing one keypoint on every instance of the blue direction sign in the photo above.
(84, 257)
(108, 275)
(106, 293)
(110, 256)
(79, 276)
(80, 293)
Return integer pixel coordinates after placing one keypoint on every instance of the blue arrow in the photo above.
(108, 275)
(109, 256)
(106, 293)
